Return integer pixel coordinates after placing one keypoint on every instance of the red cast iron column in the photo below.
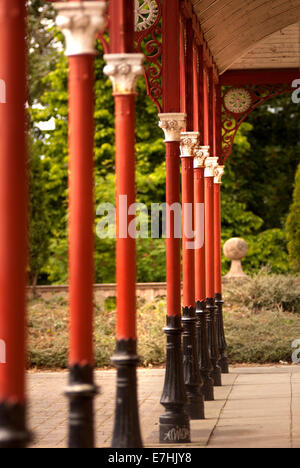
(172, 123)
(13, 226)
(192, 377)
(173, 397)
(209, 174)
(80, 48)
(201, 154)
(218, 272)
(124, 67)
(218, 288)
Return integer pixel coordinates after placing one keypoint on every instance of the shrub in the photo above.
(266, 291)
(268, 248)
(262, 337)
(293, 226)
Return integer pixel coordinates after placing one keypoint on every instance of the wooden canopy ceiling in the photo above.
(248, 34)
(280, 50)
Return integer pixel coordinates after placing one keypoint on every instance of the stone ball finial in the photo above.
(236, 249)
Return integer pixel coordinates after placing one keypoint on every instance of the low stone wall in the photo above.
(147, 292)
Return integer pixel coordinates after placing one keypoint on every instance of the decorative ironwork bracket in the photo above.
(238, 103)
(148, 16)
(148, 41)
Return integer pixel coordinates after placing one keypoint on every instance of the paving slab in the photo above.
(256, 407)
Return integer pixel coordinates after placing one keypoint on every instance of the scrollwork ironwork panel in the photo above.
(237, 105)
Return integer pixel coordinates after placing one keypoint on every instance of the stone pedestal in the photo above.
(236, 249)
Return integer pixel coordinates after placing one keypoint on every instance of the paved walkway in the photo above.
(256, 407)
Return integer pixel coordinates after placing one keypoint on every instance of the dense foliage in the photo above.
(257, 189)
(293, 226)
(258, 183)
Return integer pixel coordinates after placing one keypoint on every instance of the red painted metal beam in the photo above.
(122, 41)
(189, 78)
(125, 186)
(200, 292)
(218, 122)
(173, 243)
(188, 253)
(13, 199)
(253, 77)
(170, 56)
(183, 84)
(13, 225)
(201, 95)
(205, 107)
(217, 239)
(81, 207)
(121, 27)
(209, 237)
(211, 113)
(196, 98)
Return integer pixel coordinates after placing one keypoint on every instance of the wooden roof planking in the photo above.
(251, 34)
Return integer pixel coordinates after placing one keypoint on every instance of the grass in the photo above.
(261, 316)
(48, 333)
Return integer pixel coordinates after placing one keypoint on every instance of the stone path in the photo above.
(256, 407)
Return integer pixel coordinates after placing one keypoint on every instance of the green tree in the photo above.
(42, 41)
(258, 183)
(150, 171)
(43, 56)
(293, 226)
(261, 173)
(39, 217)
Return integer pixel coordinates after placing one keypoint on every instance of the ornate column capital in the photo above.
(124, 71)
(188, 143)
(219, 172)
(201, 154)
(172, 125)
(210, 166)
(80, 22)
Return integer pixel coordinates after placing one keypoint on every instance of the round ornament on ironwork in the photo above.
(238, 100)
(146, 12)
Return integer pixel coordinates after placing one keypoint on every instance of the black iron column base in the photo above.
(81, 392)
(174, 425)
(223, 362)
(205, 365)
(192, 377)
(212, 342)
(13, 432)
(127, 432)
